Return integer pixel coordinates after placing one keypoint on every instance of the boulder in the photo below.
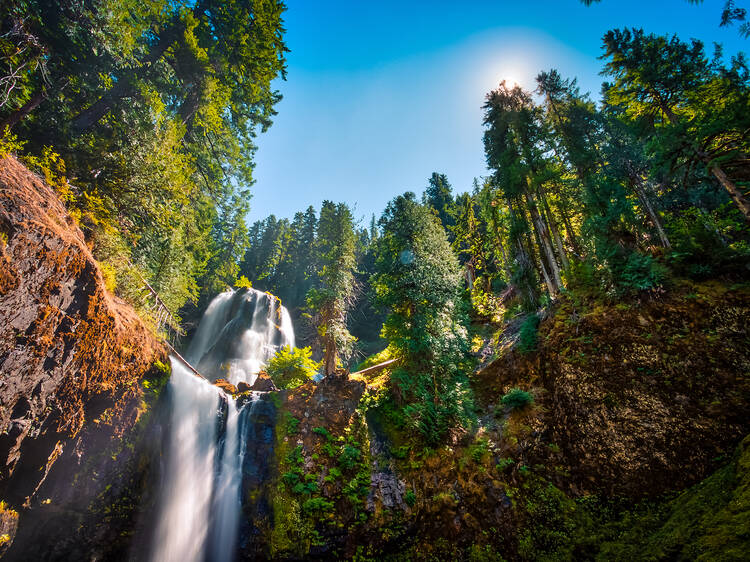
(226, 386)
(263, 383)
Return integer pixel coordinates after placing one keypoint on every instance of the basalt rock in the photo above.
(636, 399)
(263, 383)
(72, 361)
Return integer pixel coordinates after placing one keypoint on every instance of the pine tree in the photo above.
(418, 281)
(691, 110)
(330, 301)
(439, 196)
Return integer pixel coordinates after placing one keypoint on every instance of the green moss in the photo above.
(709, 522)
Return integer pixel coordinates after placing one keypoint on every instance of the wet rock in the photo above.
(226, 386)
(263, 383)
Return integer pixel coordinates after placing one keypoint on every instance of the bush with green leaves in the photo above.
(528, 338)
(410, 498)
(517, 399)
(290, 368)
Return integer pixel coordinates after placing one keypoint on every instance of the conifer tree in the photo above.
(692, 110)
(418, 282)
(330, 301)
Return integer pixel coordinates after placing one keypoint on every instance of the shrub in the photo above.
(317, 505)
(243, 283)
(410, 498)
(529, 336)
(349, 457)
(290, 368)
(517, 399)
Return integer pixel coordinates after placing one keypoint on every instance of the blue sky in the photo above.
(381, 94)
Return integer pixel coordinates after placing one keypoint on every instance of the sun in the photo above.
(510, 80)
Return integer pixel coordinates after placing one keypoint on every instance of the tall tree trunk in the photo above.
(555, 232)
(547, 280)
(545, 243)
(524, 258)
(331, 355)
(737, 196)
(542, 266)
(640, 190)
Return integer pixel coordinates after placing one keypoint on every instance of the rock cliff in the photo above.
(78, 368)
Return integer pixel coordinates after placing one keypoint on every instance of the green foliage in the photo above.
(418, 281)
(290, 368)
(439, 197)
(329, 302)
(349, 457)
(9, 143)
(517, 399)
(707, 244)
(528, 339)
(154, 108)
(375, 359)
(243, 283)
(410, 498)
(317, 505)
(552, 523)
(292, 424)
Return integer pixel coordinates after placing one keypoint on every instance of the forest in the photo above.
(145, 119)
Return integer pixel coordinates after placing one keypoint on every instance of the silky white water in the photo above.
(199, 505)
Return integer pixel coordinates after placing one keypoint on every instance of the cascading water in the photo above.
(199, 504)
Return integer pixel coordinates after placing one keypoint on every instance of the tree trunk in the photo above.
(542, 267)
(544, 243)
(547, 280)
(555, 231)
(737, 196)
(19, 114)
(125, 86)
(640, 191)
(331, 356)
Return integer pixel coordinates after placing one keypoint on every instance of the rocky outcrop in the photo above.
(635, 399)
(263, 383)
(74, 361)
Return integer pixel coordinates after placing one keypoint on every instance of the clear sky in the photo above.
(380, 94)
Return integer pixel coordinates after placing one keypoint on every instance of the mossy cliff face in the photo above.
(78, 369)
(639, 398)
(632, 405)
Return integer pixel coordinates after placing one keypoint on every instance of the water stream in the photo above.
(199, 500)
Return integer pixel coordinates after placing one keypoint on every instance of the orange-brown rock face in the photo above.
(71, 355)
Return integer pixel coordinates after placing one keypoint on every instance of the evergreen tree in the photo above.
(693, 111)
(418, 282)
(439, 196)
(330, 301)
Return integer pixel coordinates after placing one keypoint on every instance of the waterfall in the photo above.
(199, 501)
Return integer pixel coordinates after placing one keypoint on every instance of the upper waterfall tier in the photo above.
(240, 331)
